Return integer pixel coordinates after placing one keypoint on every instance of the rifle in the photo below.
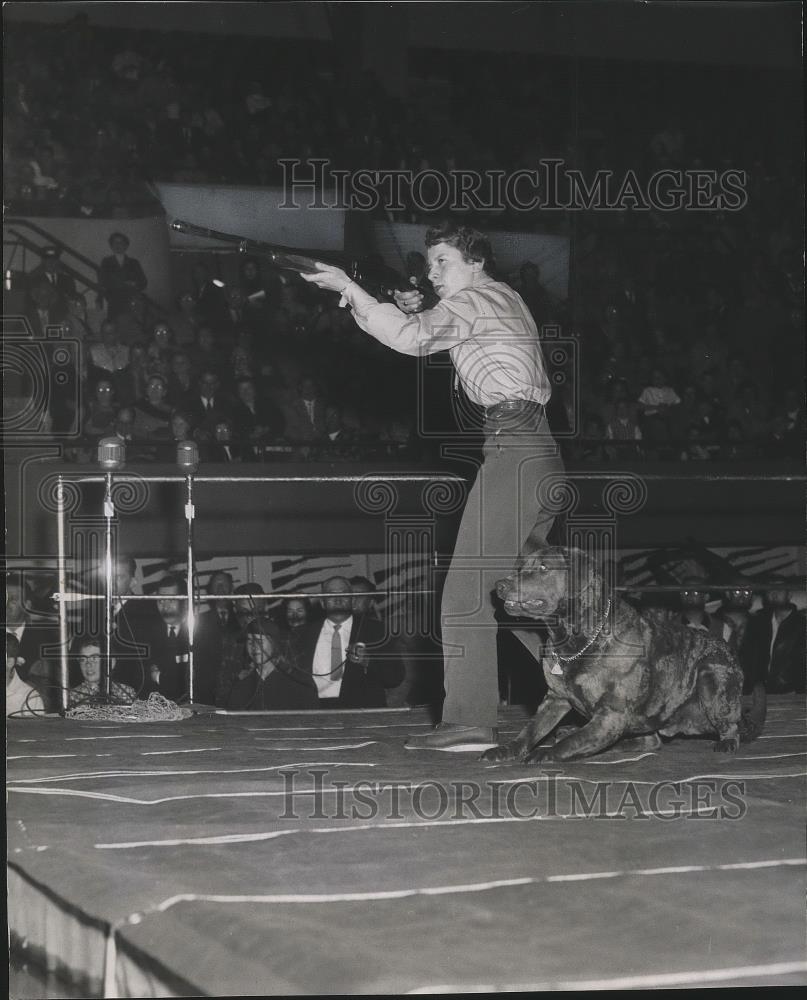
(373, 276)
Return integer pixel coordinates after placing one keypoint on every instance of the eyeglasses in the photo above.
(93, 657)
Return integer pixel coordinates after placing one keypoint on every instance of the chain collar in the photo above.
(589, 644)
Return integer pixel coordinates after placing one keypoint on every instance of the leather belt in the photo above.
(511, 409)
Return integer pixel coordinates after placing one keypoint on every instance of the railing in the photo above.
(65, 248)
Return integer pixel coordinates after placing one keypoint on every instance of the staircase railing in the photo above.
(65, 249)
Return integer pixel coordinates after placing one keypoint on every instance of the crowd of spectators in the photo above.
(251, 652)
(688, 324)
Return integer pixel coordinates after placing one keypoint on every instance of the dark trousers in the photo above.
(502, 509)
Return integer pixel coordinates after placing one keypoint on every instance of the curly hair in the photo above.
(473, 245)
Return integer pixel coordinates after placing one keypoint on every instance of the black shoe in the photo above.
(451, 734)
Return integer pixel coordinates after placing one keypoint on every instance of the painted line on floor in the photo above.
(81, 775)
(278, 899)
(690, 977)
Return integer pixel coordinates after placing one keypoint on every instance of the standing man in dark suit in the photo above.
(165, 632)
(51, 270)
(348, 657)
(120, 276)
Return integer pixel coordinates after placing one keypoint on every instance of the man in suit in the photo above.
(164, 632)
(255, 418)
(119, 276)
(207, 406)
(348, 657)
(305, 413)
(51, 270)
(222, 612)
(37, 644)
(129, 657)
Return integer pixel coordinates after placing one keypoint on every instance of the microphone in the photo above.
(188, 456)
(111, 453)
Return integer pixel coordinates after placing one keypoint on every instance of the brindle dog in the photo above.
(630, 676)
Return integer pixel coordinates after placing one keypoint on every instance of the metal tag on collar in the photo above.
(556, 667)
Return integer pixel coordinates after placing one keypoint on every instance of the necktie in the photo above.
(172, 633)
(337, 667)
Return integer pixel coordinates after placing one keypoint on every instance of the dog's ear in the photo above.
(530, 558)
(584, 588)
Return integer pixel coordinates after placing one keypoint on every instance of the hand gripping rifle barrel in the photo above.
(376, 279)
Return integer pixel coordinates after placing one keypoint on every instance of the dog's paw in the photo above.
(507, 751)
(538, 755)
(728, 745)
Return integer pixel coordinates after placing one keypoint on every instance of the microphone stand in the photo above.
(189, 516)
(109, 514)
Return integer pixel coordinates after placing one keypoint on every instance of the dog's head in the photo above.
(547, 582)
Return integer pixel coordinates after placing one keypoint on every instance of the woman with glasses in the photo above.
(89, 690)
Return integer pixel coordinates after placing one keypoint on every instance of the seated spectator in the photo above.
(255, 418)
(789, 424)
(182, 428)
(305, 413)
(184, 321)
(622, 427)
(221, 583)
(119, 276)
(223, 447)
(124, 423)
(736, 447)
(695, 450)
(619, 393)
(160, 348)
(364, 599)
(181, 381)
(241, 365)
(89, 690)
(206, 354)
(101, 413)
(773, 653)
(133, 320)
(132, 381)
(693, 597)
(296, 612)
(22, 699)
(208, 405)
(735, 610)
(152, 414)
(346, 655)
(591, 449)
(246, 608)
(109, 357)
(749, 410)
(268, 680)
(656, 401)
(33, 665)
(710, 425)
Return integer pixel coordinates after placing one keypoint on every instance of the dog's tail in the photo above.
(753, 717)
